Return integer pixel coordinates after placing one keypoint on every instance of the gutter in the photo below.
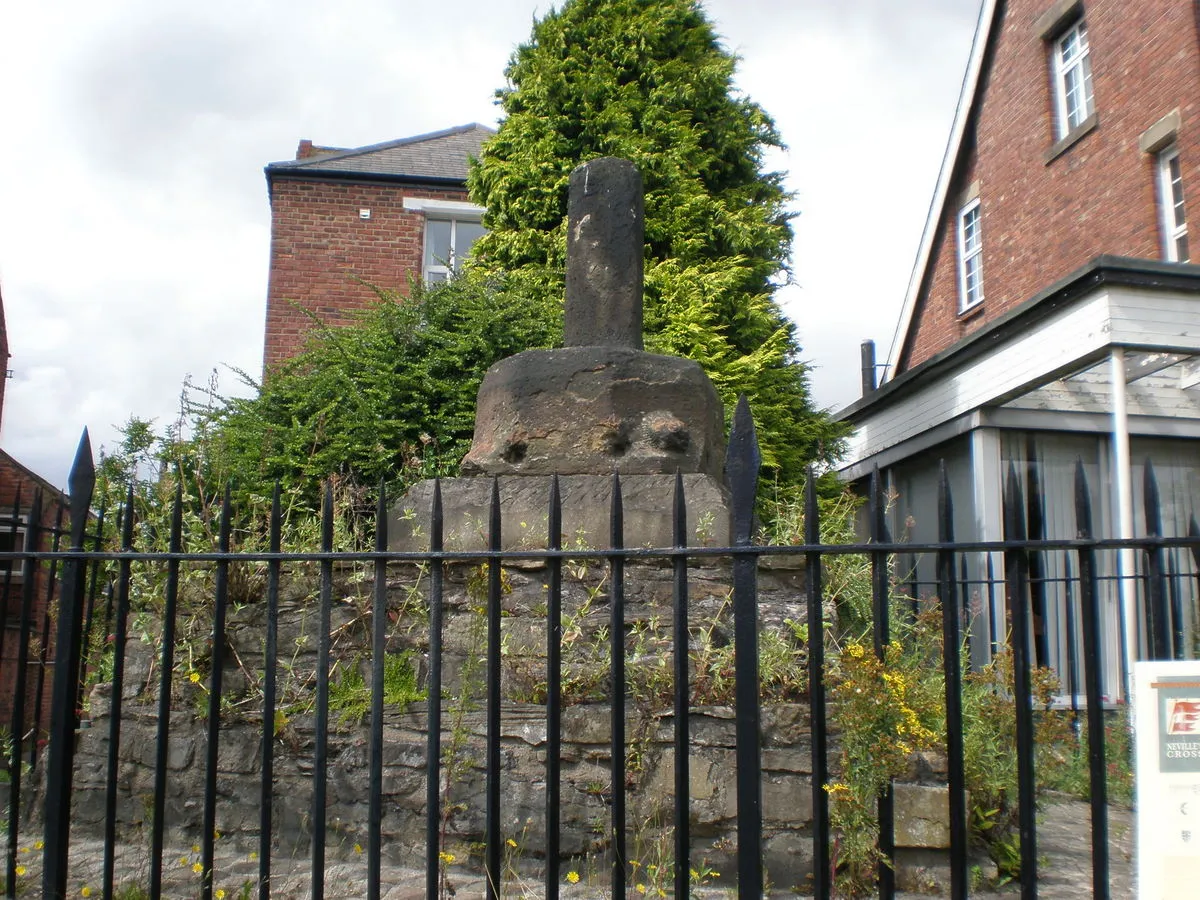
(343, 177)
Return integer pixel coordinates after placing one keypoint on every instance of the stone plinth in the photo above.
(586, 504)
(596, 410)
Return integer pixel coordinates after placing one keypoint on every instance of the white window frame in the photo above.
(1172, 210)
(17, 565)
(1074, 73)
(970, 257)
(452, 211)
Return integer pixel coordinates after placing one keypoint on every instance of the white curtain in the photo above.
(1045, 465)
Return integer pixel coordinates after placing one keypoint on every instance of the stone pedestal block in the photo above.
(590, 410)
(586, 504)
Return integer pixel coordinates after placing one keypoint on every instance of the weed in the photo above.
(350, 695)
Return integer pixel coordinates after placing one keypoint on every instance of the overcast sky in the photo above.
(134, 223)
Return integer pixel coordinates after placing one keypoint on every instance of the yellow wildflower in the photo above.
(195, 848)
(641, 888)
(445, 857)
(197, 868)
(358, 848)
(573, 877)
(511, 842)
(220, 893)
(38, 845)
(194, 677)
(86, 891)
(20, 870)
(253, 854)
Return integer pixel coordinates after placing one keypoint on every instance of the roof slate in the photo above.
(438, 155)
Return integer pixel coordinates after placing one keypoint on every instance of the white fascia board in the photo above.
(1063, 343)
(862, 467)
(1021, 370)
(966, 102)
(447, 208)
(1155, 320)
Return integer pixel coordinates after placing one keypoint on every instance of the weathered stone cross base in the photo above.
(595, 410)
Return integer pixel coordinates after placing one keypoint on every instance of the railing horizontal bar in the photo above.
(602, 554)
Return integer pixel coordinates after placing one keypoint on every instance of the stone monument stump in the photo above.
(598, 405)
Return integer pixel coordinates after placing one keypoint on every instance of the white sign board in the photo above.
(1167, 704)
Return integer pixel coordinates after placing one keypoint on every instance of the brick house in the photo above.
(18, 485)
(1053, 315)
(344, 220)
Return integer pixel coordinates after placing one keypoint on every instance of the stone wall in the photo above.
(586, 789)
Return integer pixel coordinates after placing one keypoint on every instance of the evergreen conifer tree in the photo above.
(648, 80)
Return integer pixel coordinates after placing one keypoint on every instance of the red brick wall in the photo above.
(1040, 220)
(320, 247)
(13, 478)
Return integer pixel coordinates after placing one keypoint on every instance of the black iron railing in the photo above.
(89, 571)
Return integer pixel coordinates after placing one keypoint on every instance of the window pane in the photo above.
(1174, 216)
(1176, 190)
(1073, 74)
(437, 243)
(970, 237)
(972, 279)
(1088, 102)
(466, 235)
(1075, 101)
(971, 231)
(1070, 47)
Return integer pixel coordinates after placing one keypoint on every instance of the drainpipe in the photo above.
(1123, 481)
